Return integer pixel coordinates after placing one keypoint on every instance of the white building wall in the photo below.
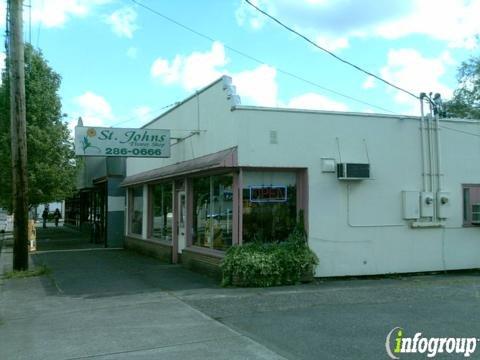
(356, 228)
(209, 112)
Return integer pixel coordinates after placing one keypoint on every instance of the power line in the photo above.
(329, 52)
(258, 61)
(29, 6)
(135, 117)
(40, 25)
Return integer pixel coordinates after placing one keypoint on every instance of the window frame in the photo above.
(466, 214)
(191, 213)
(130, 211)
(299, 174)
(151, 212)
(467, 205)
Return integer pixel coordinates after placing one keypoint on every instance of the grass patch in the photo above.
(38, 271)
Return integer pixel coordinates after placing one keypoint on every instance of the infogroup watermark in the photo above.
(398, 344)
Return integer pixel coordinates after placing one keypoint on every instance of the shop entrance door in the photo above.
(182, 220)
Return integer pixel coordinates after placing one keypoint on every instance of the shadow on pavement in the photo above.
(63, 238)
(78, 269)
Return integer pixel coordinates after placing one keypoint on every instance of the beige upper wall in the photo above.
(209, 112)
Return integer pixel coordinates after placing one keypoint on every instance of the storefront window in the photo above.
(136, 209)
(269, 205)
(212, 211)
(162, 210)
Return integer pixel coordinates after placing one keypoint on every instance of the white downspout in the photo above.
(431, 152)
(422, 135)
(439, 158)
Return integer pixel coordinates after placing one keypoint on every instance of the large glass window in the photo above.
(136, 210)
(162, 211)
(212, 211)
(269, 205)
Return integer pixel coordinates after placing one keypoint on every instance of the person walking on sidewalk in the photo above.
(45, 217)
(57, 216)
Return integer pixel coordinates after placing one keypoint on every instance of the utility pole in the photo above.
(18, 134)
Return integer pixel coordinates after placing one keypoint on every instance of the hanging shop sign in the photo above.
(99, 141)
(268, 193)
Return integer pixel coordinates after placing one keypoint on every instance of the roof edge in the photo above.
(359, 114)
(327, 112)
(227, 80)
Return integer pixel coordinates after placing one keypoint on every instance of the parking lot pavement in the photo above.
(348, 319)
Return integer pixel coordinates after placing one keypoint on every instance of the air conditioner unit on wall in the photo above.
(352, 171)
(476, 214)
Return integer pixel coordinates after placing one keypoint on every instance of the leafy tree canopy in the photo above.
(51, 169)
(466, 100)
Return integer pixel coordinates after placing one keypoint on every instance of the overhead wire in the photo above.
(150, 112)
(40, 25)
(29, 6)
(329, 52)
(258, 61)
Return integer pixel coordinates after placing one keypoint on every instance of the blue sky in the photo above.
(121, 63)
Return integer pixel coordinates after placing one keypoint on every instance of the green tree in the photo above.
(51, 168)
(466, 99)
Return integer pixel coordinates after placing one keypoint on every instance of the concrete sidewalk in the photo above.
(111, 304)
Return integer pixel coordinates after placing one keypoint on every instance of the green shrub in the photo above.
(269, 264)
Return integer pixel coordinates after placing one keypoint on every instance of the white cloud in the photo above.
(330, 22)
(132, 52)
(332, 44)
(453, 21)
(198, 69)
(122, 22)
(168, 73)
(142, 113)
(258, 86)
(408, 69)
(193, 71)
(369, 83)
(247, 15)
(55, 13)
(94, 109)
(314, 101)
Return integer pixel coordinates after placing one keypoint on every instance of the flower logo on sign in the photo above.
(86, 144)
